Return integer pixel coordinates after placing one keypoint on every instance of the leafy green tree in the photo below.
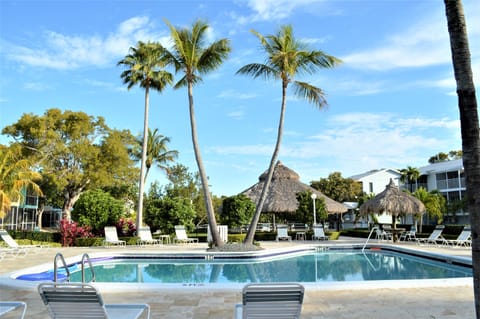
(144, 68)
(304, 211)
(443, 157)
(237, 210)
(190, 56)
(97, 209)
(435, 203)
(16, 176)
(409, 176)
(338, 188)
(467, 104)
(157, 151)
(74, 151)
(164, 213)
(287, 57)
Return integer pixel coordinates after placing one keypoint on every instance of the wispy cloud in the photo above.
(64, 52)
(271, 10)
(36, 86)
(425, 43)
(232, 94)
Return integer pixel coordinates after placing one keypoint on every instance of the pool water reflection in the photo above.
(308, 268)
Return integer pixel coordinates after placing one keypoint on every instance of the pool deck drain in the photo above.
(371, 301)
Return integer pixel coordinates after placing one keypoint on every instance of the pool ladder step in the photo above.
(64, 265)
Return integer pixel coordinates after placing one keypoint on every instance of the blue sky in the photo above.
(392, 102)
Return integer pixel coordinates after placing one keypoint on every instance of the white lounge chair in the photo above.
(464, 239)
(409, 234)
(434, 237)
(13, 247)
(9, 306)
(282, 233)
(146, 237)
(77, 301)
(181, 235)
(382, 234)
(111, 237)
(271, 300)
(319, 233)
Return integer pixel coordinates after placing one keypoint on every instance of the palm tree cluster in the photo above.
(287, 58)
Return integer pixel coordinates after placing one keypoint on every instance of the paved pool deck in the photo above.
(429, 301)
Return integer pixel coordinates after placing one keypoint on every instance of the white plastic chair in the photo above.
(111, 237)
(282, 233)
(271, 300)
(181, 235)
(319, 233)
(146, 237)
(78, 300)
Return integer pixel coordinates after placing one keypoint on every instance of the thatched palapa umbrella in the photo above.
(394, 202)
(283, 190)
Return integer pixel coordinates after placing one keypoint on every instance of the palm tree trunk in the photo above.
(203, 176)
(467, 104)
(141, 186)
(266, 186)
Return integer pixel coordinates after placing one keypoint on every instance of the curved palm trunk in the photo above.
(141, 186)
(266, 186)
(467, 104)
(203, 176)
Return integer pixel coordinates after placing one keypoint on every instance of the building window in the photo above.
(370, 186)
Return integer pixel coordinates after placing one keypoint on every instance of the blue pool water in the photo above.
(307, 268)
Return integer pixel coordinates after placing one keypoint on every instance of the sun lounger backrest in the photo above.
(180, 232)
(318, 231)
(465, 234)
(8, 239)
(145, 234)
(111, 234)
(437, 232)
(282, 231)
(70, 300)
(282, 300)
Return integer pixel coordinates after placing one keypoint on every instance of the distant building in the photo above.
(22, 214)
(374, 181)
(449, 179)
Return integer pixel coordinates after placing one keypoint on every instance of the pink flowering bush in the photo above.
(126, 226)
(70, 231)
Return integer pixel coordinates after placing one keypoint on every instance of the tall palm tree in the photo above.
(157, 151)
(144, 67)
(190, 56)
(16, 176)
(287, 57)
(409, 176)
(467, 104)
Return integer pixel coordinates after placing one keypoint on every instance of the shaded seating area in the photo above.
(80, 300)
(434, 237)
(282, 233)
(271, 300)
(146, 237)
(181, 235)
(319, 233)
(13, 306)
(111, 237)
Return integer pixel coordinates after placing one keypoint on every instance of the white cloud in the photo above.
(36, 86)
(229, 94)
(63, 52)
(267, 10)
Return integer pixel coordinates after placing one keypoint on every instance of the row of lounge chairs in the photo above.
(145, 236)
(81, 300)
(318, 233)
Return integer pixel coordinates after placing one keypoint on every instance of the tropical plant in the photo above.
(443, 157)
(467, 104)
(74, 152)
(157, 151)
(97, 209)
(190, 56)
(435, 203)
(409, 176)
(338, 188)
(144, 66)
(237, 210)
(287, 57)
(16, 176)
(304, 211)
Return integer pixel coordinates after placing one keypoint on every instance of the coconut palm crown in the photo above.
(287, 58)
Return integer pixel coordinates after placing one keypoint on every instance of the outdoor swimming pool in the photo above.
(307, 267)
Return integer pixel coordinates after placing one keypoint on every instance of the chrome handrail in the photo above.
(369, 235)
(82, 261)
(55, 267)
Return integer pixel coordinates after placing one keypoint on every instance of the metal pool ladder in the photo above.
(60, 257)
(369, 235)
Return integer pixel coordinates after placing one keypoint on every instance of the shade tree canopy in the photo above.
(74, 151)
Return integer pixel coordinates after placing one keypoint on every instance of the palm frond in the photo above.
(309, 92)
(259, 70)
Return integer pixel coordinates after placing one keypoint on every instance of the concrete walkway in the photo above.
(424, 301)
